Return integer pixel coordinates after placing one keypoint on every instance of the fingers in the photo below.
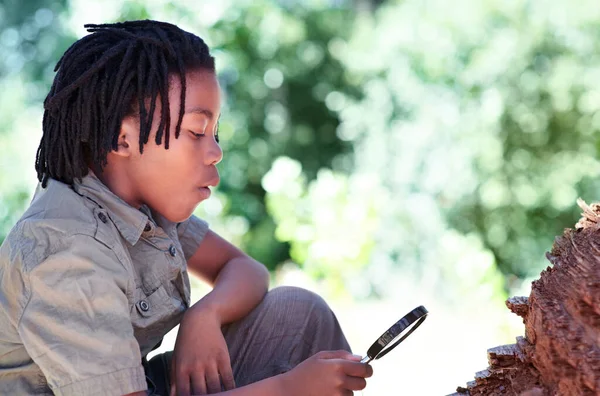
(198, 383)
(341, 354)
(227, 375)
(182, 383)
(356, 369)
(209, 382)
(355, 383)
(213, 383)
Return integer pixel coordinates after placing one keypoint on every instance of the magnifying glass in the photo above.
(396, 334)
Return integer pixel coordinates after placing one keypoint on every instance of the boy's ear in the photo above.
(129, 130)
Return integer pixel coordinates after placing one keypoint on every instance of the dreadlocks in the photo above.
(102, 78)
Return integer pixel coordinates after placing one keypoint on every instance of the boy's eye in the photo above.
(199, 135)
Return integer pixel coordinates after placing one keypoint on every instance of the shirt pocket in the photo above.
(152, 316)
(151, 307)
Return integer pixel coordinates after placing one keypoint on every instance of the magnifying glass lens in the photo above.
(396, 334)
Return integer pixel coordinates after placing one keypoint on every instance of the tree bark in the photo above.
(560, 353)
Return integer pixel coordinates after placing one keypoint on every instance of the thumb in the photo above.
(341, 354)
(354, 358)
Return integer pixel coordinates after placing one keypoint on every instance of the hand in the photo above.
(327, 373)
(200, 360)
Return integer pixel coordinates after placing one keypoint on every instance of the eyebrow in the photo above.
(201, 110)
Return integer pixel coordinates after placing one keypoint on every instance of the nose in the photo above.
(214, 153)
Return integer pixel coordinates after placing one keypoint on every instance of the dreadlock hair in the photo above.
(102, 78)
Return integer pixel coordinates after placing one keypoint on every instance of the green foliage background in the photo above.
(365, 141)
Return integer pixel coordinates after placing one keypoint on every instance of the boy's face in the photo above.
(174, 181)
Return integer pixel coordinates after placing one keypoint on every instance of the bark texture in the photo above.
(560, 353)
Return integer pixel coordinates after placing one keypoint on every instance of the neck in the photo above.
(119, 184)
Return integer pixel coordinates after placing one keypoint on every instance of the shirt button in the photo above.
(144, 306)
(148, 227)
(102, 217)
(172, 251)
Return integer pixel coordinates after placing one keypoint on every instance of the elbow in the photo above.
(265, 276)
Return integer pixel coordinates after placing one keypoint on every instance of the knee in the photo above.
(296, 296)
(309, 315)
(297, 304)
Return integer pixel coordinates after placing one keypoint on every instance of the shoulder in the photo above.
(61, 206)
(57, 219)
(60, 236)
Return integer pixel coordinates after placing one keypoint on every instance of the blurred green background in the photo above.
(385, 153)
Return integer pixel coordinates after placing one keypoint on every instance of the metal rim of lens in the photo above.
(416, 316)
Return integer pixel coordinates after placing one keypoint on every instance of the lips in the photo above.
(211, 183)
(204, 192)
(214, 182)
(211, 178)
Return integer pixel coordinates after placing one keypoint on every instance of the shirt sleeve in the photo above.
(76, 325)
(191, 232)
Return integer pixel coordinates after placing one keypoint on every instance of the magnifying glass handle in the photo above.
(366, 359)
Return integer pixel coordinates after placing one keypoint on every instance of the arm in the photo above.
(267, 387)
(76, 324)
(239, 282)
(331, 373)
(201, 364)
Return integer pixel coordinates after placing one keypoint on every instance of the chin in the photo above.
(178, 215)
(176, 210)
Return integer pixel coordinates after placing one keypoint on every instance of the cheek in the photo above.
(184, 158)
(176, 166)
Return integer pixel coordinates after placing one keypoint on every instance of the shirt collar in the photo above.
(129, 221)
(167, 226)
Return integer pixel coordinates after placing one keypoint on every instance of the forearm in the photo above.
(272, 386)
(240, 286)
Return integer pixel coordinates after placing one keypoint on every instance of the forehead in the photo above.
(202, 92)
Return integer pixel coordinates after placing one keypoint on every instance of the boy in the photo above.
(95, 272)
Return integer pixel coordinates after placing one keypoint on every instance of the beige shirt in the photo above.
(89, 285)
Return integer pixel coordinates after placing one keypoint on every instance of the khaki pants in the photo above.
(288, 326)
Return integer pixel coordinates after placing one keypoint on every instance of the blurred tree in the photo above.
(479, 117)
(278, 80)
(31, 41)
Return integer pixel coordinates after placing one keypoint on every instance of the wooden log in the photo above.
(560, 353)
